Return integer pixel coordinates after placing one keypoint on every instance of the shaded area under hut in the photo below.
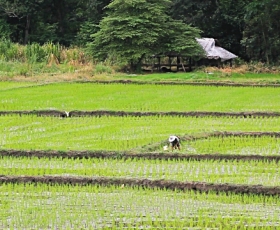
(215, 55)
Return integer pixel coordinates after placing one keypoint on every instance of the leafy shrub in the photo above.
(101, 68)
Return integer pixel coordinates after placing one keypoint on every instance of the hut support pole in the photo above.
(169, 62)
(183, 65)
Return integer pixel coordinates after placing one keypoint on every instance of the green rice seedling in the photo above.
(144, 98)
(115, 133)
(43, 206)
(240, 145)
(234, 172)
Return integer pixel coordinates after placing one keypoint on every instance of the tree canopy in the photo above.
(137, 28)
(248, 28)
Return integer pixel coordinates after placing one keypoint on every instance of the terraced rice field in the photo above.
(104, 166)
(42, 206)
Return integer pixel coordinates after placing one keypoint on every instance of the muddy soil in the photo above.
(125, 155)
(99, 113)
(208, 83)
(161, 184)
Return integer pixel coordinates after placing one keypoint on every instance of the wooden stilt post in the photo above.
(169, 62)
(183, 65)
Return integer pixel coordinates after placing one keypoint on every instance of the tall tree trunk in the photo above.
(265, 45)
(26, 32)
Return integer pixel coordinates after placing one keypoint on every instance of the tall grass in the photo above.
(11, 51)
(33, 59)
(38, 53)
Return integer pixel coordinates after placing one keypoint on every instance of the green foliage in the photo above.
(100, 68)
(135, 29)
(5, 29)
(90, 13)
(249, 29)
(34, 53)
(35, 58)
(44, 20)
(10, 51)
(30, 53)
(44, 32)
(198, 13)
(52, 49)
(31, 59)
(182, 39)
(261, 34)
(222, 20)
(84, 35)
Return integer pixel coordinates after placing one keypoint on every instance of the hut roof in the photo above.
(213, 50)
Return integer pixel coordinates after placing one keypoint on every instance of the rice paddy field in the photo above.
(137, 97)
(110, 170)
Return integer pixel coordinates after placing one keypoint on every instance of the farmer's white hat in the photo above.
(172, 138)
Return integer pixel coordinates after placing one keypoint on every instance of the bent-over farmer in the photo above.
(174, 142)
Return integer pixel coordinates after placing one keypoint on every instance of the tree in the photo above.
(45, 20)
(219, 19)
(262, 30)
(229, 20)
(134, 29)
(22, 11)
(89, 13)
(199, 13)
(5, 29)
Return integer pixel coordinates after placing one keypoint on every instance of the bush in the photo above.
(101, 68)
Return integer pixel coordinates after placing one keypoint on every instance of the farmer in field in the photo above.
(174, 142)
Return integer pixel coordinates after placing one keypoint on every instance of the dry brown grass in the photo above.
(74, 56)
(82, 72)
(245, 68)
(242, 69)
